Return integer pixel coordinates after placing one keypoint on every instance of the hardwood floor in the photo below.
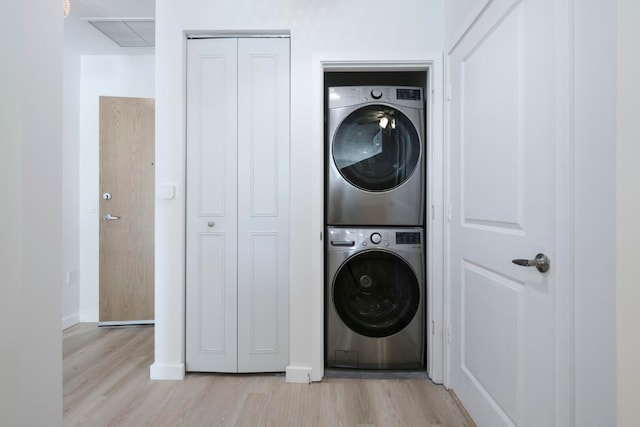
(106, 383)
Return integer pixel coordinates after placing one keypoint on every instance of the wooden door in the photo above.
(502, 176)
(127, 144)
(237, 291)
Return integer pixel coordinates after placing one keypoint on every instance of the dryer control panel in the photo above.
(346, 96)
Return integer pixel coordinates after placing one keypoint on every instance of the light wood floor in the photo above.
(106, 383)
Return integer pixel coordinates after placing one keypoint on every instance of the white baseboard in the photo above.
(159, 371)
(69, 321)
(298, 374)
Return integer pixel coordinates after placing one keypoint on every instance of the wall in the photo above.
(100, 75)
(628, 212)
(356, 28)
(459, 15)
(70, 190)
(30, 219)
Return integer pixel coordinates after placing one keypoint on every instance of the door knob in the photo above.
(541, 262)
(109, 217)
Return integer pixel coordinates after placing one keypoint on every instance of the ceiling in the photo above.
(110, 26)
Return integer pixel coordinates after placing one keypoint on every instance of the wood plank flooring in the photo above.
(106, 383)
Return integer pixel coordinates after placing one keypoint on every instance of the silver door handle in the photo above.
(541, 262)
(109, 217)
(342, 243)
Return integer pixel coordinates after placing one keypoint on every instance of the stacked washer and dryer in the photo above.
(375, 185)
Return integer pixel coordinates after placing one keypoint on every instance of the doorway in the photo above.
(126, 213)
(350, 62)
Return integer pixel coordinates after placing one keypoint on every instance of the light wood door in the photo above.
(502, 141)
(127, 140)
(237, 292)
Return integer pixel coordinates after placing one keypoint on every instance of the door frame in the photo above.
(432, 63)
(564, 200)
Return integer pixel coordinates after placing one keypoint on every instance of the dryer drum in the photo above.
(374, 157)
(376, 293)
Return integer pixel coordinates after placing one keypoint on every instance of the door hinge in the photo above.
(433, 212)
(449, 213)
(321, 235)
(449, 334)
(433, 327)
(448, 94)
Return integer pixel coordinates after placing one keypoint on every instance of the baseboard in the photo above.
(69, 321)
(158, 371)
(298, 374)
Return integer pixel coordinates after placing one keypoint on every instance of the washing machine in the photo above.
(375, 298)
(375, 156)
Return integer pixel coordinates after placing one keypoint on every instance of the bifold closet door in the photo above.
(212, 199)
(263, 204)
(237, 205)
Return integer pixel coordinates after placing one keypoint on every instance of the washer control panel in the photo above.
(348, 239)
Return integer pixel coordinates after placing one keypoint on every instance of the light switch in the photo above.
(166, 191)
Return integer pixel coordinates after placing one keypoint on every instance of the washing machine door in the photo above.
(376, 148)
(376, 293)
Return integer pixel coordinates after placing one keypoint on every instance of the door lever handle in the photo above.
(109, 217)
(541, 262)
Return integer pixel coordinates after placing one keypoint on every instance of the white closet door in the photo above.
(263, 205)
(211, 276)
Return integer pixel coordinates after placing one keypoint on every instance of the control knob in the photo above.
(376, 238)
(376, 94)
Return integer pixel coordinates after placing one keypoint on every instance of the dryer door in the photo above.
(376, 293)
(376, 148)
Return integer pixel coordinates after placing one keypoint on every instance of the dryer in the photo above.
(375, 156)
(375, 298)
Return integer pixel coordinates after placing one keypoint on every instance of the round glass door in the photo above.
(376, 294)
(376, 148)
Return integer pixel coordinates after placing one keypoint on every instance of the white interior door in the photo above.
(212, 212)
(237, 205)
(502, 199)
(263, 204)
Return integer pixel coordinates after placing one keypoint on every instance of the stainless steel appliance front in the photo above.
(375, 156)
(375, 298)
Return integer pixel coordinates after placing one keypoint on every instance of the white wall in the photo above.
(30, 218)
(458, 16)
(361, 28)
(70, 190)
(628, 212)
(100, 75)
